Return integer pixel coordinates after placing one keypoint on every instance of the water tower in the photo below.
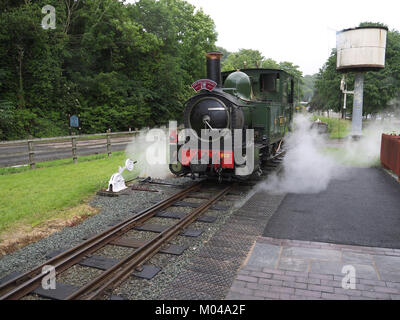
(359, 50)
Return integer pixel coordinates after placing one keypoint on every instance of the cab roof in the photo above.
(256, 69)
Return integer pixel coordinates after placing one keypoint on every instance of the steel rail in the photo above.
(18, 287)
(122, 270)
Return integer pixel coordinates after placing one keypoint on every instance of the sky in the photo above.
(302, 32)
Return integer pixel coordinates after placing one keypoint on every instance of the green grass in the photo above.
(337, 128)
(33, 196)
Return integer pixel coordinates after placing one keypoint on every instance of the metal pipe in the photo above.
(358, 104)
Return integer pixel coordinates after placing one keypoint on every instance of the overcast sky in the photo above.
(303, 32)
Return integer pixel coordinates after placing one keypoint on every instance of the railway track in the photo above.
(26, 283)
(102, 286)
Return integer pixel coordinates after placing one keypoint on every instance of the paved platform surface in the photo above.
(211, 272)
(310, 238)
(290, 269)
(363, 208)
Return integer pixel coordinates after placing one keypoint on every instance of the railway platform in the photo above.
(311, 241)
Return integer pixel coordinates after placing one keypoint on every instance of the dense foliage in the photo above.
(308, 87)
(116, 65)
(381, 89)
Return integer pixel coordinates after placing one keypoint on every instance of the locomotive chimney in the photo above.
(214, 67)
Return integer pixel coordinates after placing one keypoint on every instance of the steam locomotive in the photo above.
(237, 100)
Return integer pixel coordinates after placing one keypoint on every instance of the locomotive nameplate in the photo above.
(206, 84)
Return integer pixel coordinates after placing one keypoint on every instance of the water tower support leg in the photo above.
(358, 104)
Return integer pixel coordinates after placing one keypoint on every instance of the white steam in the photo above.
(150, 149)
(366, 152)
(309, 166)
(305, 168)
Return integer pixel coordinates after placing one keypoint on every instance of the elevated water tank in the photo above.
(361, 49)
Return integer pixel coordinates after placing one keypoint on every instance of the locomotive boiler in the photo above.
(234, 101)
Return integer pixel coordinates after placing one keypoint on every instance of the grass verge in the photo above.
(22, 234)
(337, 128)
(54, 193)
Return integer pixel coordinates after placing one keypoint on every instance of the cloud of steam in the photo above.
(366, 152)
(305, 168)
(150, 149)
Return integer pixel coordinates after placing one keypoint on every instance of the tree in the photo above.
(117, 65)
(244, 58)
(327, 86)
(185, 36)
(225, 53)
(270, 64)
(30, 69)
(308, 87)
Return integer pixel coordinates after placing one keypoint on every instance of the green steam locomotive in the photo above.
(258, 99)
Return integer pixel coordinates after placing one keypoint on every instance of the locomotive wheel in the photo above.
(177, 169)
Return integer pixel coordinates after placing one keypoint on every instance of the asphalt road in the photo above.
(362, 209)
(12, 155)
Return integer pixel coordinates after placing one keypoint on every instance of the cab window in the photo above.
(269, 82)
(290, 90)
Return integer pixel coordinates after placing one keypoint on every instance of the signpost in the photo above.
(74, 121)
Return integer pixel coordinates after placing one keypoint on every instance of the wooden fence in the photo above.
(60, 144)
(390, 153)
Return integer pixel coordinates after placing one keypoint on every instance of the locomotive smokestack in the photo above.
(214, 67)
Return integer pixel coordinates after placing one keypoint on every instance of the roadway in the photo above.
(17, 154)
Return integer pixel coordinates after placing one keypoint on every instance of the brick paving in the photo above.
(302, 270)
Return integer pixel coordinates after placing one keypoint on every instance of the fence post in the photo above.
(108, 142)
(74, 156)
(31, 153)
